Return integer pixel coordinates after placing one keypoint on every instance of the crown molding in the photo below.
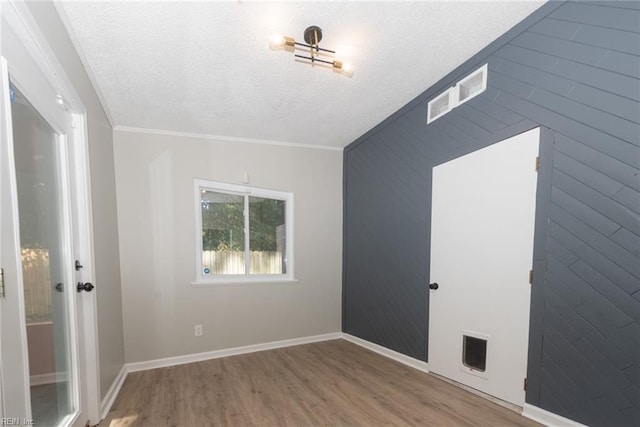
(224, 138)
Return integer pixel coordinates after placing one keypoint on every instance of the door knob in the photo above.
(59, 287)
(87, 287)
(433, 286)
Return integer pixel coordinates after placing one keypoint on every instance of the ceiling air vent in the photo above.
(472, 85)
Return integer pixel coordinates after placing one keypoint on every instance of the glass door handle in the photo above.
(87, 287)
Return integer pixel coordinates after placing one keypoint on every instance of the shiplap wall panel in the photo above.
(599, 202)
(402, 168)
(554, 46)
(536, 78)
(593, 178)
(621, 63)
(618, 84)
(622, 170)
(616, 40)
(501, 115)
(629, 198)
(574, 69)
(559, 29)
(610, 16)
(479, 118)
(604, 101)
(608, 289)
(627, 240)
(561, 253)
(622, 4)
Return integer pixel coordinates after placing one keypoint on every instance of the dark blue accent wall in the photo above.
(574, 70)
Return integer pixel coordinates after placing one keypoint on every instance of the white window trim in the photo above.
(201, 279)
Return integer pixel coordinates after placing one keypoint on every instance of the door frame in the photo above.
(531, 194)
(540, 242)
(18, 16)
(543, 201)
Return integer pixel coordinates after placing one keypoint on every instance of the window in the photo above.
(244, 234)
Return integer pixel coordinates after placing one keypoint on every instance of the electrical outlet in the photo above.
(197, 330)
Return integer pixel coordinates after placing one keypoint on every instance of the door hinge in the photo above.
(1, 282)
(537, 163)
(531, 277)
(525, 384)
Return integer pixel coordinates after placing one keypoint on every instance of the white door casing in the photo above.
(34, 67)
(482, 229)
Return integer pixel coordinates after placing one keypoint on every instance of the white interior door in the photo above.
(14, 370)
(3, 72)
(44, 185)
(482, 230)
(15, 374)
(44, 213)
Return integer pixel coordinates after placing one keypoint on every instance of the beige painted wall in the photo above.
(156, 219)
(107, 268)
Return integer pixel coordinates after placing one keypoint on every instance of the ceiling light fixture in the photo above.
(316, 55)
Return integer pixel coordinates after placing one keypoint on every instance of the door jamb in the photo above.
(540, 238)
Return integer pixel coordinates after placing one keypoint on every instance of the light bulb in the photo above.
(276, 42)
(343, 68)
(347, 69)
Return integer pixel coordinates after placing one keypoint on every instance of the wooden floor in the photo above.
(327, 383)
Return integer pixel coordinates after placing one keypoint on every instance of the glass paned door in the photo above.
(42, 190)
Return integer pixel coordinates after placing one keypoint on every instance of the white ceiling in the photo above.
(206, 68)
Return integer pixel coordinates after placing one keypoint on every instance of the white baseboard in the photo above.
(529, 411)
(391, 354)
(199, 357)
(110, 397)
(548, 418)
(51, 378)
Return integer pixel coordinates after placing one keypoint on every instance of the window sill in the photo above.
(242, 281)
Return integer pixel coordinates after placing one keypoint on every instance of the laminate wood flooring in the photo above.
(332, 383)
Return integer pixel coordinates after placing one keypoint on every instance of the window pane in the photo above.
(267, 236)
(222, 233)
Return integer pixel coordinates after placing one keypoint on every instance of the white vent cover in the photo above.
(467, 88)
(441, 105)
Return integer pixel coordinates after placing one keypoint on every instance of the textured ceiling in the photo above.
(206, 68)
